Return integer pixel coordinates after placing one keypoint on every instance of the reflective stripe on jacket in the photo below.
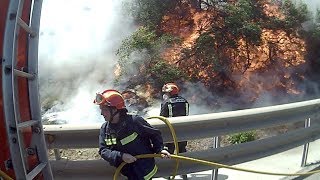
(174, 106)
(133, 135)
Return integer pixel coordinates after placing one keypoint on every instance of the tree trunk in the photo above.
(196, 4)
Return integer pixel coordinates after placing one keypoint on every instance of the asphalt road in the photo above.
(310, 177)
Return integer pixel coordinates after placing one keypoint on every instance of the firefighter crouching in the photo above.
(124, 136)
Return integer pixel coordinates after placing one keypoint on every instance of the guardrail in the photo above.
(195, 127)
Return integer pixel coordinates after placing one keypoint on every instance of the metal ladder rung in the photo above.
(23, 74)
(25, 26)
(36, 170)
(27, 123)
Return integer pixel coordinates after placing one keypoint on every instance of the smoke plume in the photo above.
(78, 39)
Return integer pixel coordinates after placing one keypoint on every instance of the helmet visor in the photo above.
(99, 99)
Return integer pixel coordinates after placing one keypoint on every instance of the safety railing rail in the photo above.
(195, 127)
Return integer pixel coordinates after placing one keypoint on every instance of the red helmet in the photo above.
(170, 88)
(110, 98)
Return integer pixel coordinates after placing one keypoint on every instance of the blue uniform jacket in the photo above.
(132, 135)
(174, 106)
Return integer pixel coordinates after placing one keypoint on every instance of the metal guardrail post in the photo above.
(307, 123)
(216, 144)
(57, 154)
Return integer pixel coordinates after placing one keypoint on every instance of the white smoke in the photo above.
(154, 109)
(78, 39)
(313, 5)
(201, 101)
(198, 97)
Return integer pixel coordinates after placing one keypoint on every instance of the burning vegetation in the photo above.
(240, 49)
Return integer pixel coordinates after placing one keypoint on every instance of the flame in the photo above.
(146, 92)
(272, 9)
(188, 24)
(291, 50)
(137, 99)
(117, 70)
(278, 54)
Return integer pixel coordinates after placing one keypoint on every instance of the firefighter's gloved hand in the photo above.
(165, 154)
(128, 158)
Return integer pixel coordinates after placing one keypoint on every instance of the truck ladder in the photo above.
(15, 78)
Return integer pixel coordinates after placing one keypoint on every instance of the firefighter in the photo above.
(123, 136)
(174, 105)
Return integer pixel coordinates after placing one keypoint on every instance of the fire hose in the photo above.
(4, 176)
(199, 161)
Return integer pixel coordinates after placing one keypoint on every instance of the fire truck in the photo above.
(23, 153)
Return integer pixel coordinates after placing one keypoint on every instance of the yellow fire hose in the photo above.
(5, 176)
(214, 165)
(175, 142)
(199, 161)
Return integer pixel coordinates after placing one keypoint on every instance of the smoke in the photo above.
(154, 109)
(200, 99)
(78, 39)
(313, 5)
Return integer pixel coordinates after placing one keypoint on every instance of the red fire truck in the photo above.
(23, 153)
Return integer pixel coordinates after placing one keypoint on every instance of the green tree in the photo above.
(238, 21)
(162, 72)
(243, 22)
(149, 12)
(312, 37)
(142, 39)
(142, 51)
(295, 15)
